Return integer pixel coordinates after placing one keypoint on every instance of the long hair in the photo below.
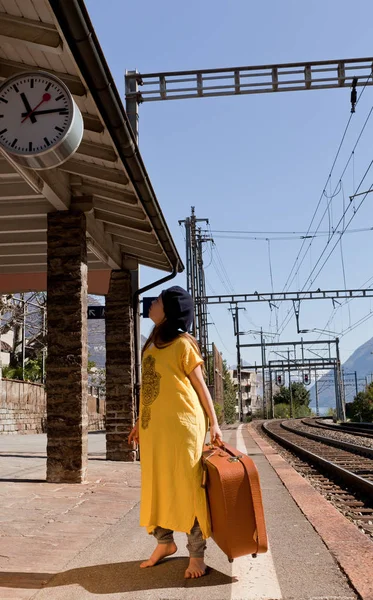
(162, 335)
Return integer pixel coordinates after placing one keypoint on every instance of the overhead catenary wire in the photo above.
(219, 336)
(236, 235)
(337, 308)
(286, 319)
(343, 230)
(288, 282)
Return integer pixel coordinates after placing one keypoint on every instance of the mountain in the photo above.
(361, 362)
(96, 337)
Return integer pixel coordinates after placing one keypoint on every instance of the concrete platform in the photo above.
(78, 542)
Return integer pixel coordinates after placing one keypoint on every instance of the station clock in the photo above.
(40, 124)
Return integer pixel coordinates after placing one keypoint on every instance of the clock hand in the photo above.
(46, 112)
(27, 107)
(46, 98)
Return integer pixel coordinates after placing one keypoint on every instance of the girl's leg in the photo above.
(166, 546)
(196, 547)
(163, 536)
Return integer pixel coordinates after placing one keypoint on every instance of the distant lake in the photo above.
(322, 409)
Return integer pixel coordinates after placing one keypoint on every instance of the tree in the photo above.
(361, 409)
(32, 371)
(301, 399)
(229, 396)
(301, 396)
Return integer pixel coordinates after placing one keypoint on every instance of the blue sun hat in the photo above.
(178, 307)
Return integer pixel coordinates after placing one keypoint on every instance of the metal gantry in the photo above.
(286, 296)
(233, 81)
(244, 80)
(296, 364)
(195, 276)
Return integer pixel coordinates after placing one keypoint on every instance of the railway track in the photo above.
(341, 471)
(357, 429)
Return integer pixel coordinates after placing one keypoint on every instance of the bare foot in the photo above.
(161, 551)
(196, 568)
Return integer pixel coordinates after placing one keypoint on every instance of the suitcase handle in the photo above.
(217, 443)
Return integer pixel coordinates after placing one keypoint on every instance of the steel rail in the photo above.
(356, 448)
(353, 430)
(347, 476)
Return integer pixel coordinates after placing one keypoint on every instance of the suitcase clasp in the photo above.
(235, 458)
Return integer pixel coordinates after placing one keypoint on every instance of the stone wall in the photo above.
(23, 408)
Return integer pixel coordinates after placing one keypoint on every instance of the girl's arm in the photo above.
(198, 382)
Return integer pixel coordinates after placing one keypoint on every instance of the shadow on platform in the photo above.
(117, 578)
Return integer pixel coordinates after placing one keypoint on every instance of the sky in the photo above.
(258, 162)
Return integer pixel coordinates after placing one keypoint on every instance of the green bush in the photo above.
(229, 396)
(32, 371)
(302, 411)
(219, 413)
(259, 414)
(282, 411)
(361, 409)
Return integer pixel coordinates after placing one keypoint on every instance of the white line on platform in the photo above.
(257, 577)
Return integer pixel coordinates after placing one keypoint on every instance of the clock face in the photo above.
(36, 112)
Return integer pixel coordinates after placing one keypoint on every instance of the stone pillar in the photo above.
(66, 382)
(120, 401)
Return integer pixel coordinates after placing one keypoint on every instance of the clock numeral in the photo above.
(30, 146)
(14, 142)
(31, 83)
(64, 111)
(47, 141)
(48, 86)
(15, 88)
(59, 129)
(59, 97)
(3, 131)
(3, 100)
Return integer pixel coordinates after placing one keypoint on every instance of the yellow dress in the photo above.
(172, 432)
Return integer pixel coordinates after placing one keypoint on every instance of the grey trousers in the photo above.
(196, 544)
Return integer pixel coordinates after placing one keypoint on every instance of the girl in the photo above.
(171, 430)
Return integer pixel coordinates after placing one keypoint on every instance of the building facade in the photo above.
(250, 388)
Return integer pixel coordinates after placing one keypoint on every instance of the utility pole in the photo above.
(195, 276)
(272, 406)
(340, 390)
(317, 395)
(356, 387)
(203, 324)
(263, 352)
(290, 389)
(236, 326)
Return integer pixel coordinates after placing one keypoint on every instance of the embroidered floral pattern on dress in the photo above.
(150, 387)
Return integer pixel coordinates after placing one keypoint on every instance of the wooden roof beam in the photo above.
(119, 208)
(22, 239)
(122, 221)
(8, 68)
(35, 250)
(95, 172)
(99, 190)
(100, 151)
(135, 238)
(17, 191)
(23, 208)
(35, 34)
(102, 245)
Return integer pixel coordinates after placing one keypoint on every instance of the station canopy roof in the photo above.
(106, 178)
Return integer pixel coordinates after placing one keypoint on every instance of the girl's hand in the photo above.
(134, 435)
(215, 434)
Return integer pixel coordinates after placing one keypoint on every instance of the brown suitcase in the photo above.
(233, 490)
